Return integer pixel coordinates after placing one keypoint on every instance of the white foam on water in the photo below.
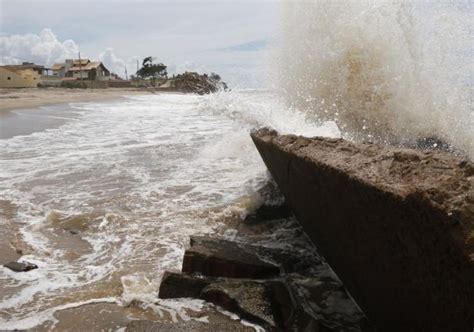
(47, 315)
(386, 71)
(244, 322)
(177, 308)
(131, 178)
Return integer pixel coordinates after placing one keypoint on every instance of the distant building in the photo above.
(81, 69)
(59, 70)
(26, 75)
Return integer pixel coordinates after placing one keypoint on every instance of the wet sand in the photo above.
(11, 99)
(10, 249)
(25, 111)
(113, 317)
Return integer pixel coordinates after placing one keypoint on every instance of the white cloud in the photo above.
(190, 66)
(183, 34)
(113, 62)
(44, 48)
(176, 52)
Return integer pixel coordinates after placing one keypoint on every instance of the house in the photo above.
(81, 69)
(59, 70)
(26, 75)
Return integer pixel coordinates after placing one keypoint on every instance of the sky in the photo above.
(231, 38)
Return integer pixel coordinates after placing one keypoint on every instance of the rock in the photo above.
(302, 304)
(223, 258)
(268, 212)
(175, 285)
(247, 298)
(21, 266)
(326, 300)
(276, 261)
(397, 225)
(191, 82)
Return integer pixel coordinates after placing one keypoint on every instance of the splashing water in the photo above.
(105, 202)
(392, 72)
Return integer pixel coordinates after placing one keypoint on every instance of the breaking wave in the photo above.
(393, 72)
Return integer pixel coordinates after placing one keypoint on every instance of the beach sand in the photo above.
(28, 99)
(11, 99)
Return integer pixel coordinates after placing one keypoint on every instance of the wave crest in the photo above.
(391, 72)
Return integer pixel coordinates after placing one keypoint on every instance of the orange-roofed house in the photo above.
(81, 69)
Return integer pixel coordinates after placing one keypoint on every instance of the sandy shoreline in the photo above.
(11, 99)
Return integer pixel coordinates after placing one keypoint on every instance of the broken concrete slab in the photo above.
(287, 260)
(175, 285)
(396, 224)
(223, 258)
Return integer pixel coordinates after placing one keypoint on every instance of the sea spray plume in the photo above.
(392, 72)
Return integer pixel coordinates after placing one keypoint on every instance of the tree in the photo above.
(152, 71)
(215, 77)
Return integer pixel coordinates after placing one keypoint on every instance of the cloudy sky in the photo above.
(232, 38)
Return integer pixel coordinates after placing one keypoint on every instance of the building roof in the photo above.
(83, 62)
(15, 68)
(89, 66)
(58, 66)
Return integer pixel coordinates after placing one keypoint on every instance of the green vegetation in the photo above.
(152, 71)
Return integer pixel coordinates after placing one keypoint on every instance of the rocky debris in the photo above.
(222, 258)
(268, 212)
(396, 224)
(291, 303)
(175, 285)
(192, 82)
(247, 298)
(225, 258)
(276, 301)
(244, 297)
(20, 266)
(325, 300)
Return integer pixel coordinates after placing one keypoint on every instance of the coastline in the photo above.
(11, 99)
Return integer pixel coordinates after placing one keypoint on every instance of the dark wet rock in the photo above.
(275, 260)
(295, 303)
(396, 224)
(268, 212)
(175, 285)
(325, 300)
(247, 298)
(278, 301)
(223, 258)
(191, 82)
(21, 266)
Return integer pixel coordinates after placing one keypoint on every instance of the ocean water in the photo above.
(385, 71)
(105, 202)
(104, 196)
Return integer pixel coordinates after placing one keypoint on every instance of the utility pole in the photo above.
(126, 74)
(80, 67)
